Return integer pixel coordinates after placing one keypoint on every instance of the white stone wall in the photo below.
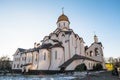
(82, 48)
(29, 57)
(72, 45)
(61, 37)
(35, 60)
(16, 61)
(99, 57)
(78, 46)
(73, 65)
(44, 59)
(57, 58)
(92, 48)
(23, 59)
(63, 24)
(54, 36)
(89, 64)
(67, 50)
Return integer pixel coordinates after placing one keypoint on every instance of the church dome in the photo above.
(63, 18)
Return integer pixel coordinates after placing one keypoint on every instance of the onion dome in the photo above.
(63, 18)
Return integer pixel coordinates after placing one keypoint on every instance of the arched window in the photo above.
(87, 53)
(25, 58)
(44, 56)
(64, 23)
(96, 52)
(63, 35)
(91, 53)
(59, 24)
(55, 54)
(14, 65)
(89, 65)
(17, 65)
(36, 57)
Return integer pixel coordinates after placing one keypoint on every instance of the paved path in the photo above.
(101, 76)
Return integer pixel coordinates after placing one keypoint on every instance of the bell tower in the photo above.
(95, 39)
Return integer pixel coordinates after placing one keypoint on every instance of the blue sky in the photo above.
(23, 22)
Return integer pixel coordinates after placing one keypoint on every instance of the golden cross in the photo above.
(62, 10)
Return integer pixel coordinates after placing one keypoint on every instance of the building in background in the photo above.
(61, 50)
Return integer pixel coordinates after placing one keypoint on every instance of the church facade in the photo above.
(61, 50)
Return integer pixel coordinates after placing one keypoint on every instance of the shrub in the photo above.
(81, 67)
(97, 67)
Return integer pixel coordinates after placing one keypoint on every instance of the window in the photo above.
(102, 54)
(14, 65)
(96, 52)
(87, 53)
(44, 56)
(17, 65)
(36, 57)
(55, 54)
(59, 24)
(17, 53)
(91, 53)
(22, 58)
(29, 60)
(63, 35)
(20, 66)
(25, 58)
(64, 23)
(89, 65)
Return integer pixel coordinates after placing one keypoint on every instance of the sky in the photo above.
(24, 22)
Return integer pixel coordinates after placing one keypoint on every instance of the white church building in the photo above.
(61, 50)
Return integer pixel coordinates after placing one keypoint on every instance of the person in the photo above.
(118, 69)
(115, 71)
(88, 75)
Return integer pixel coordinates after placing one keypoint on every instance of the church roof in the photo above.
(21, 49)
(67, 32)
(86, 47)
(26, 64)
(76, 57)
(99, 43)
(30, 50)
(45, 46)
(57, 45)
(63, 18)
(55, 40)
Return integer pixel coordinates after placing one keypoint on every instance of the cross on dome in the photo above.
(62, 17)
(62, 10)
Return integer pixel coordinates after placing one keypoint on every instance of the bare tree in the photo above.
(5, 63)
(111, 60)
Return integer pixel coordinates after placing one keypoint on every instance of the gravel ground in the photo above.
(101, 76)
